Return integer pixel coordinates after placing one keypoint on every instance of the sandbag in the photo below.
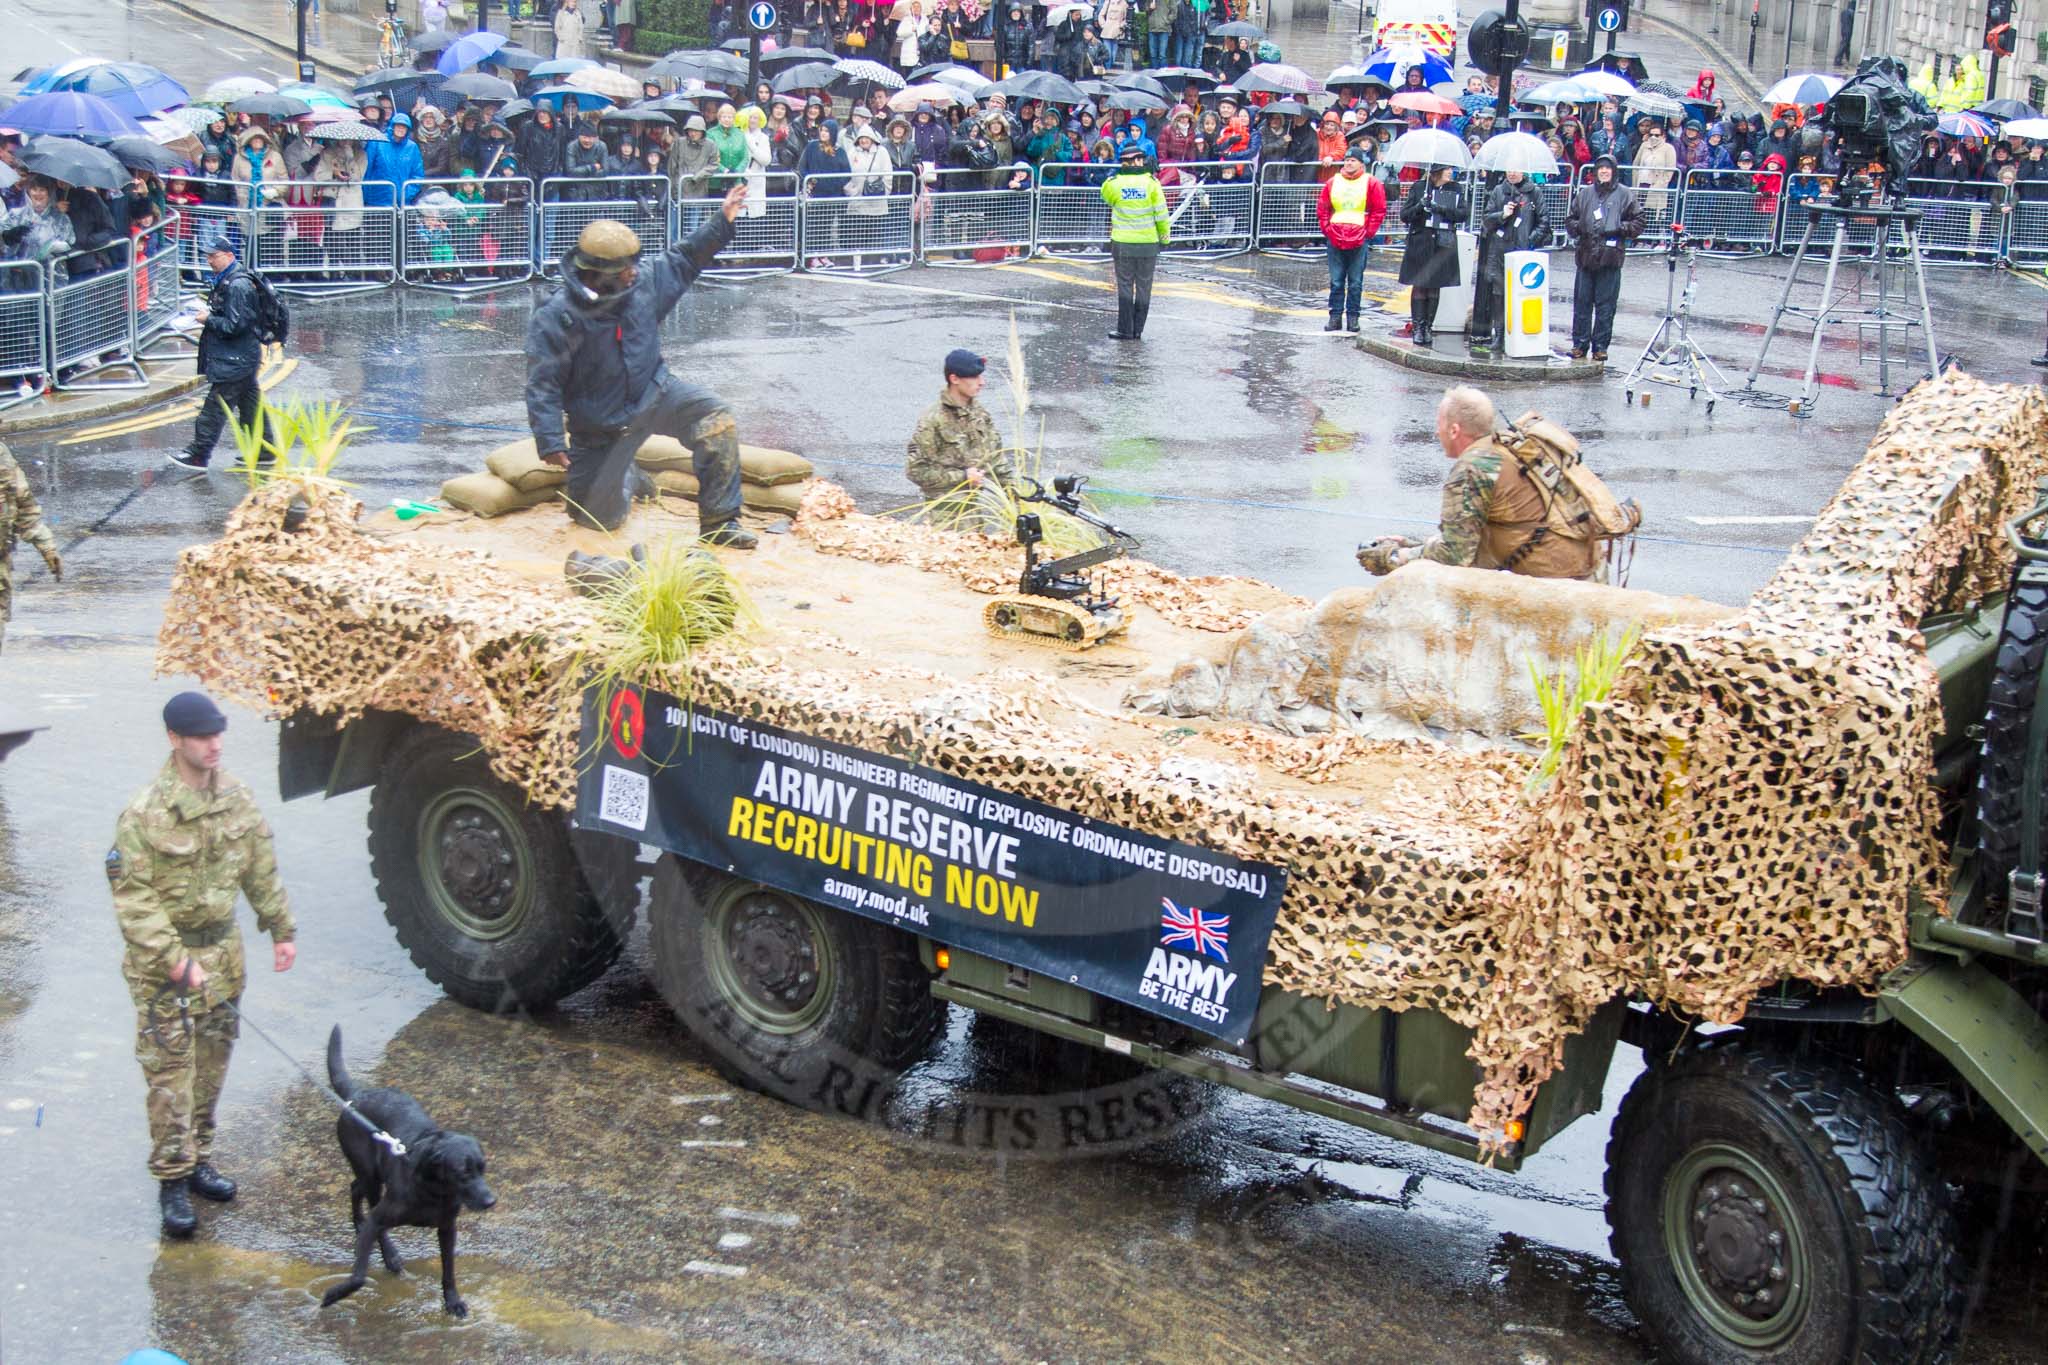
(759, 465)
(487, 495)
(783, 498)
(525, 470)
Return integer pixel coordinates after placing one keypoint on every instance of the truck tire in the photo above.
(2009, 712)
(1732, 1175)
(481, 885)
(812, 1005)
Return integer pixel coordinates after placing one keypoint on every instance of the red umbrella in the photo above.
(1422, 102)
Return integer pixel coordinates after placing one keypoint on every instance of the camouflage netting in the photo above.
(1750, 805)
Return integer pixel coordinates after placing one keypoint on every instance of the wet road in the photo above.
(647, 1208)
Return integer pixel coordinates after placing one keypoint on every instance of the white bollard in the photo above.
(1528, 305)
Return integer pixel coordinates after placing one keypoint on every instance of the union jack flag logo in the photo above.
(1194, 930)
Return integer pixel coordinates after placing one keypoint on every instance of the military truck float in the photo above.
(1302, 850)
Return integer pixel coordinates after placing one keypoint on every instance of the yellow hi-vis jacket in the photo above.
(1137, 208)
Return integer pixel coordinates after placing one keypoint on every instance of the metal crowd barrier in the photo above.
(92, 318)
(1800, 191)
(1214, 207)
(966, 223)
(569, 203)
(1725, 214)
(864, 233)
(2027, 242)
(159, 293)
(1287, 224)
(1960, 220)
(24, 353)
(1659, 202)
(764, 236)
(1072, 219)
(466, 235)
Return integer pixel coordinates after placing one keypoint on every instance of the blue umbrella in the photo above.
(551, 97)
(468, 50)
(66, 113)
(560, 66)
(1390, 64)
(131, 87)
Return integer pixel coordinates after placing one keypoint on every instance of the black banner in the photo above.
(1170, 928)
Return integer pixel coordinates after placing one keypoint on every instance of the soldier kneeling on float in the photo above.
(1518, 499)
(597, 385)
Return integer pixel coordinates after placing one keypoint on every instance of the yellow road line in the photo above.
(273, 375)
(1201, 293)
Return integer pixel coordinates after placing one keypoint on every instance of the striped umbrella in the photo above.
(1966, 125)
(1390, 65)
(861, 69)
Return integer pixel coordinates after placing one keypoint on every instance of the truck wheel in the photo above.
(813, 1005)
(2001, 776)
(482, 886)
(1765, 1210)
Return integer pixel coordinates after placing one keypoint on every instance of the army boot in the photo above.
(179, 1220)
(208, 1183)
(729, 535)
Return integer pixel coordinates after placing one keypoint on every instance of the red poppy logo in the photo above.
(628, 723)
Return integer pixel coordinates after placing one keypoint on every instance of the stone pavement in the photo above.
(65, 407)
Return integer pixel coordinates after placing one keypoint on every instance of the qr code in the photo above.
(624, 801)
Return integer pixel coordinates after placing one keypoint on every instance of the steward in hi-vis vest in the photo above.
(1138, 228)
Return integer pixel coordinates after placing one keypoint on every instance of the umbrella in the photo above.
(2032, 128)
(552, 97)
(1039, 85)
(561, 66)
(1183, 75)
(1664, 88)
(514, 109)
(1237, 29)
(196, 117)
(1278, 79)
(1627, 65)
(66, 113)
(469, 50)
(861, 69)
(605, 81)
(1522, 152)
(936, 93)
(391, 79)
(809, 76)
(2007, 110)
(1353, 78)
(433, 40)
(637, 116)
(790, 56)
(1656, 106)
(1138, 80)
(735, 45)
(721, 68)
(318, 96)
(1136, 101)
(1391, 64)
(131, 87)
(73, 162)
(1606, 82)
(1427, 147)
(139, 153)
(1287, 107)
(513, 57)
(271, 106)
(1809, 87)
(340, 130)
(1570, 90)
(965, 78)
(1422, 102)
(1966, 125)
(231, 88)
(1057, 14)
(475, 85)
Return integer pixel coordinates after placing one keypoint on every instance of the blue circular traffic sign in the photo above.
(1609, 19)
(761, 15)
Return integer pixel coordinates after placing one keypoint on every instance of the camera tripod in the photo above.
(1888, 258)
(1673, 357)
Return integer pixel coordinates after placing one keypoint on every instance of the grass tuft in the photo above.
(1564, 696)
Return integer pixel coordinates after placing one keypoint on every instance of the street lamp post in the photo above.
(1791, 7)
(305, 64)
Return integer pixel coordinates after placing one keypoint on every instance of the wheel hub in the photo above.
(1739, 1240)
(772, 953)
(474, 865)
(1736, 1245)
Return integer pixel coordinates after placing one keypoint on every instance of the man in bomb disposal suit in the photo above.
(597, 385)
(182, 851)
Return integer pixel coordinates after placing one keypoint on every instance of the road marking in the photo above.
(730, 1272)
(1749, 521)
(710, 1121)
(1193, 289)
(773, 1220)
(275, 374)
(700, 1099)
(734, 1241)
(714, 1142)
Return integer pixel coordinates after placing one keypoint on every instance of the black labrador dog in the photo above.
(440, 1175)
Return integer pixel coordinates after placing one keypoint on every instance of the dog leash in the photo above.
(156, 1020)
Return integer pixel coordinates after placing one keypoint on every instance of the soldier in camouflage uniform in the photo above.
(20, 519)
(955, 442)
(1487, 521)
(182, 851)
